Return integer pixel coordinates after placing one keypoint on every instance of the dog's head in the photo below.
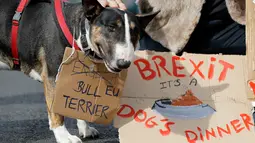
(113, 34)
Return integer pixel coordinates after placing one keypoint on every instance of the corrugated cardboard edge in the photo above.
(250, 45)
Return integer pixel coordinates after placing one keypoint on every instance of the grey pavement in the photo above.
(23, 116)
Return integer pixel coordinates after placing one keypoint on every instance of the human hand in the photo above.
(113, 3)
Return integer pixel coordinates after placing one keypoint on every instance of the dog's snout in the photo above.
(123, 64)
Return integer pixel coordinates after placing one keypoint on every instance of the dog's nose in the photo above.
(123, 64)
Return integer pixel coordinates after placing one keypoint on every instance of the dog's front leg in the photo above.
(85, 130)
(56, 121)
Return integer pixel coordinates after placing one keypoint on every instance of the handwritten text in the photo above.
(147, 72)
(141, 116)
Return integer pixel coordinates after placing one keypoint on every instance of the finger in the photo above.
(113, 3)
(104, 3)
(121, 4)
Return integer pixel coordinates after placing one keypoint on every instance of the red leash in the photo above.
(15, 27)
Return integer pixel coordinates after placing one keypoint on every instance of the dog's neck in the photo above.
(74, 16)
(79, 26)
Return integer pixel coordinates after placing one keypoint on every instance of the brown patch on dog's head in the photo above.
(119, 23)
(96, 34)
(135, 39)
(132, 25)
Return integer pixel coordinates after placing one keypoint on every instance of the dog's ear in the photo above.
(92, 8)
(145, 19)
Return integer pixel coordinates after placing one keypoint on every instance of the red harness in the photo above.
(15, 27)
(62, 23)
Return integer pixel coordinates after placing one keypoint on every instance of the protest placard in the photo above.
(187, 99)
(87, 90)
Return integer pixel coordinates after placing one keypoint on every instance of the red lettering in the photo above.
(167, 131)
(247, 121)
(136, 117)
(252, 85)
(236, 126)
(149, 123)
(146, 68)
(188, 137)
(212, 133)
(201, 135)
(226, 66)
(175, 67)
(128, 115)
(196, 69)
(211, 68)
(220, 130)
(162, 64)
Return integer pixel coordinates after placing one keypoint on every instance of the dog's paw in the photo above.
(63, 136)
(35, 75)
(69, 139)
(85, 130)
(90, 132)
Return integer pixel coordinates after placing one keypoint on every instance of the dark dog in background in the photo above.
(201, 26)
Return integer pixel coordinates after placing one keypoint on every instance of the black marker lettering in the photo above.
(169, 83)
(177, 82)
(96, 110)
(80, 104)
(89, 86)
(76, 67)
(103, 111)
(71, 103)
(108, 88)
(66, 99)
(163, 85)
(80, 86)
(95, 93)
(193, 81)
(88, 107)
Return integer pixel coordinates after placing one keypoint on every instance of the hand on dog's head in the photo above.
(114, 34)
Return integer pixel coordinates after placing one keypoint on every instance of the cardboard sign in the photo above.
(86, 90)
(189, 99)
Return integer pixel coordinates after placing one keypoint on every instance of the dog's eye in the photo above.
(111, 28)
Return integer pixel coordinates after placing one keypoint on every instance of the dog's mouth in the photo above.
(111, 69)
(98, 59)
(94, 56)
(108, 66)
